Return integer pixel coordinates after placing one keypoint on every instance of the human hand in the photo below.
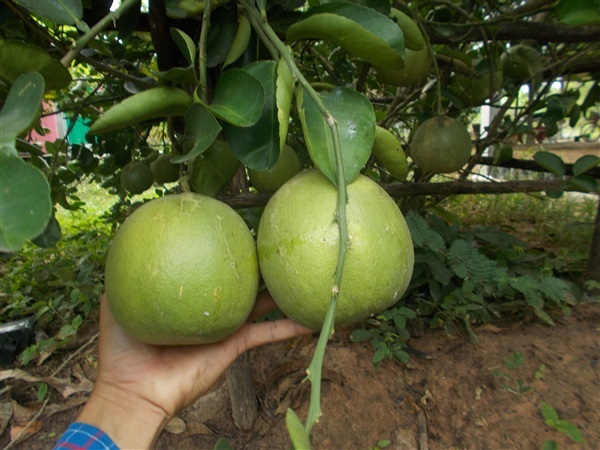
(141, 386)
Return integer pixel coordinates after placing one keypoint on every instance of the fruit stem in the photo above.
(92, 32)
(314, 371)
(436, 67)
(202, 51)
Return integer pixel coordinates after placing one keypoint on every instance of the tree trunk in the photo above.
(242, 393)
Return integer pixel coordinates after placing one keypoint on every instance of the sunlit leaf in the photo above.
(25, 204)
(258, 146)
(358, 29)
(202, 127)
(285, 91)
(355, 120)
(18, 58)
(185, 44)
(585, 163)
(65, 12)
(551, 162)
(238, 98)
(298, 435)
(21, 106)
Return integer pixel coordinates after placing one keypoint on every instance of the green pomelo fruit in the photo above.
(163, 171)
(415, 71)
(285, 168)
(182, 269)
(389, 153)
(136, 177)
(521, 62)
(474, 90)
(441, 145)
(298, 242)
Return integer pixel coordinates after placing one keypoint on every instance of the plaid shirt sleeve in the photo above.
(81, 436)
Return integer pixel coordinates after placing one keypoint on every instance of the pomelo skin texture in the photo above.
(298, 242)
(441, 145)
(182, 269)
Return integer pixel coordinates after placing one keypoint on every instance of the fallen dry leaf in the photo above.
(62, 385)
(6, 412)
(195, 428)
(175, 426)
(20, 433)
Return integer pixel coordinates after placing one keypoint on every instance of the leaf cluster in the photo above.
(466, 277)
(58, 286)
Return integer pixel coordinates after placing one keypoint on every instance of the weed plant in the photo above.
(488, 257)
(561, 229)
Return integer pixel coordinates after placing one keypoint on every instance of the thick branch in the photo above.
(538, 31)
(525, 164)
(412, 189)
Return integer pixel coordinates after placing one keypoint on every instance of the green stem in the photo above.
(202, 51)
(436, 67)
(91, 34)
(314, 371)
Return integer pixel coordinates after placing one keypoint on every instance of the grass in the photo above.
(561, 227)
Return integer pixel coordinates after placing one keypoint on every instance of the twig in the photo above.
(314, 370)
(91, 34)
(75, 353)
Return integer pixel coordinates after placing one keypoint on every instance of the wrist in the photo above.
(130, 421)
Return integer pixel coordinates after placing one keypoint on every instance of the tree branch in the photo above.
(413, 189)
(539, 31)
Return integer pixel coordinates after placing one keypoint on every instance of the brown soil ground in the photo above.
(454, 399)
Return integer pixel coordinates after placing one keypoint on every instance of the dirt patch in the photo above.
(465, 397)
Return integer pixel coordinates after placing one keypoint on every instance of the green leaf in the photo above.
(297, 432)
(355, 120)
(585, 163)
(579, 12)
(25, 205)
(21, 106)
(258, 146)
(213, 169)
(570, 430)
(150, 104)
(202, 127)
(50, 236)
(360, 335)
(185, 44)
(285, 91)
(17, 58)
(238, 98)
(585, 183)
(550, 445)
(221, 34)
(380, 355)
(549, 413)
(64, 12)
(551, 162)
(359, 30)
(222, 444)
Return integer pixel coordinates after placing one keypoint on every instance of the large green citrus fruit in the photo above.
(162, 169)
(416, 69)
(136, 177)
(270, 180)
(298, 242)
(182, 269)
(441, 145)
(522, 62)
